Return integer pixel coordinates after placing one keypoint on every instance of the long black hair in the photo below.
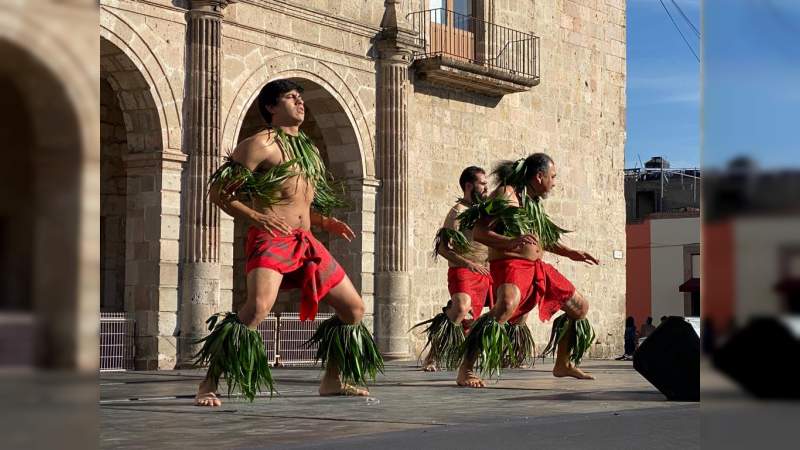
(518, 173)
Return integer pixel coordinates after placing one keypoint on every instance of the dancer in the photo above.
(513, 224)
(277, 182)
(468, 278)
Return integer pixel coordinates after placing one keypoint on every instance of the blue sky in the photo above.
(751, 95)
(663, 111)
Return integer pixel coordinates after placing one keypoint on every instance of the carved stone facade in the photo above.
(398, 141)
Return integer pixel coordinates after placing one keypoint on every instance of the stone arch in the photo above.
(317, 72)
(134, 44)
(43, 217)
(140, 206)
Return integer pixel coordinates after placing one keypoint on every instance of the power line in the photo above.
(679, 30)
(686, 18)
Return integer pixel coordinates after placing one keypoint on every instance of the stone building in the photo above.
(657, 188)
(399, 100)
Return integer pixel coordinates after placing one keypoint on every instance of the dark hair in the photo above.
(629, 322)
(270, 94)
(663, 318)
(504, 171)
(469, 175)
(649, 320)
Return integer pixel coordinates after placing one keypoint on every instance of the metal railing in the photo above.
(284, 335)
(442, 32)
(116, 342)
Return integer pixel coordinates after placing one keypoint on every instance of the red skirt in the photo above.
(304, 262)
(477, 286)
(539, 283)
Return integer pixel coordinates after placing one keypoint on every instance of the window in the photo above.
(452, 28)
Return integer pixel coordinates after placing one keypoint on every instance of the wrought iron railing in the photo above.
(442, 32)
(116, 342)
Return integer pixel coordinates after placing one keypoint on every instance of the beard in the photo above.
(478, 197)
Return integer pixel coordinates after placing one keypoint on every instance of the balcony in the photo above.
(466, 52)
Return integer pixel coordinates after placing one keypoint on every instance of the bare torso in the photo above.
(297, 192)
(479, 253)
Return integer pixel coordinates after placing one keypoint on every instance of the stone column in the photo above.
(200, 296)
(392, 309)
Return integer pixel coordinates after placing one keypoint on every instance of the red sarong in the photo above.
(477, 286)
(539, 283)
(304, 262)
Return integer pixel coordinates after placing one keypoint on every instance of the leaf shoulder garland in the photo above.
(327, 193)
(454, 239)
(514, 221)
(302, 159)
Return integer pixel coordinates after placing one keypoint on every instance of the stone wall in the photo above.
(576, 114)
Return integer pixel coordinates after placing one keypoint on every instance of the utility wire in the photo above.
(679, 30)
(686, 18)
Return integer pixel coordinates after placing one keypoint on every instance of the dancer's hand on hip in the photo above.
(271, 222)
(478, 268)
(521, 241)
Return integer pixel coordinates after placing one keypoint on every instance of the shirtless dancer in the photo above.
(276, 181)
(468, 278)
(516, 230)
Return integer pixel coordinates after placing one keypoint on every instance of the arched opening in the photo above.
(135, 252)
(329, 125)
(39, 216)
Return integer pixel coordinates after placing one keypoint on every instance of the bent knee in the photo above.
(262, 308)
(508, 296)
(461, 305)
(577, 307)
(352, 315)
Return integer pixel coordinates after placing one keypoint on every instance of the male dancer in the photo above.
(515, 228)
(468, 278)
(273, 179)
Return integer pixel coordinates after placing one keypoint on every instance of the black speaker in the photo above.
(670, 359)
(758, 357)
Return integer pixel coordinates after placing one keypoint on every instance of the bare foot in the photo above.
(206, 395)
(571, 371)
(341, 389)
(467, 378)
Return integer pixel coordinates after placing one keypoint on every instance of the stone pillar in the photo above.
(392, 309)
(200, 270)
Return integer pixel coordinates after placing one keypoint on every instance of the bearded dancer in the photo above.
(515, 227)
(468, 278)
(273, 180)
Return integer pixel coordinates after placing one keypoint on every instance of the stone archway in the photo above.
(329, 124)
(140, 208)
(41, 215)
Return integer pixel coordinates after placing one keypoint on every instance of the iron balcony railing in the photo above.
(441, 32)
